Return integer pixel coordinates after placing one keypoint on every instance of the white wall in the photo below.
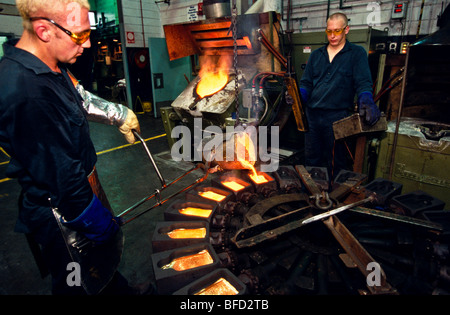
(314, 12)
(142, 18)
(363, 13)
(179, 11)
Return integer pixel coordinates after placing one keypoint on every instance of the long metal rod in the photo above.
(399, 114)
(265, 41)
(161, 202)
(142, 201)
(399, 218)
(164, 185)
(337, 210)
(274, 227)
(269, 229)
(138, 136)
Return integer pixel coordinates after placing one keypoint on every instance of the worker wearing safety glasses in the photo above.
(44, 129)
(334, 75)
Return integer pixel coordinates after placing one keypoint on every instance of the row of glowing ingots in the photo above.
(211, 195)
(201, 258)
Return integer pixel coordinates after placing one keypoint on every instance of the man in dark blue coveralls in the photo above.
(334, 75)
(44, 128)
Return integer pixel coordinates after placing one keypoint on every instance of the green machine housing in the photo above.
(415, 150)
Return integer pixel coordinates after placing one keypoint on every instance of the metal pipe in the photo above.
(161, 202)
(399, 114)
(158, 191)
(138, 136)
(266, 42)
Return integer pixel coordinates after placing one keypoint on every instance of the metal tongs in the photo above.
(272, 228)
(164, 185)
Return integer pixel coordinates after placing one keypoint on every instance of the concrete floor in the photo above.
(127, 177)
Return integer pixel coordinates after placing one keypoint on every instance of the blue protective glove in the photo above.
(96, 222)
(303, 95)
(368, 109)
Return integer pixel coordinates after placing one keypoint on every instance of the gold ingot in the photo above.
(212, 195)
(199, 259)
(220, 287)
(233, 185)
(187, 233)
(198, 212)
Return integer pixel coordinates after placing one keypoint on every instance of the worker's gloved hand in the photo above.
(303, 95)
(368, 109)
(96, 222)
(131, 122)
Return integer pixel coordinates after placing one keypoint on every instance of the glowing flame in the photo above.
(213, 77)
(187, 233)
(201, 258)
(199, 212)
(220, 287)
(233, 185)
(212, 195)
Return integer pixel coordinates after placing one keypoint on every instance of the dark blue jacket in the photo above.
(334, 85)
(44, 129)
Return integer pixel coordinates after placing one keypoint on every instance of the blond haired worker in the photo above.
(44, 128)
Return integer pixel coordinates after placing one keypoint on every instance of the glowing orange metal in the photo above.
(246, 150)
(212, 195)
(213, 75)
(220, 287)
(199, 259)
(187, 233)
(199, 212)
(258, 179)
(211, 83)
(233, 185)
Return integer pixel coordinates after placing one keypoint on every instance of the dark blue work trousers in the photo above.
(321, 149)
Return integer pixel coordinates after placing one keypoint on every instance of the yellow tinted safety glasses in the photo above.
(77, 38)
(335, 32)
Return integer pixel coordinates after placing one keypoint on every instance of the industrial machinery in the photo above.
(282, 233)
(414, 150)
(290, 232)
(242, 69)
(241, 230)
